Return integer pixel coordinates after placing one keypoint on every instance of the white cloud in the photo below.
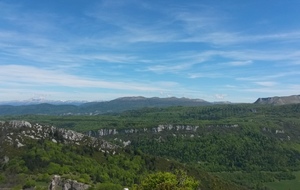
(266, 83)
(205, 75)
(228, 38)
(230, 86)
(168, 68)
(35, 76)
(266, 77)
(220, 96)
(240, 63)
(200, 42)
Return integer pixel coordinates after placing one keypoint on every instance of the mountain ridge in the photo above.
(95, 108)
(35, 101)
(279, 100)
(123, 104)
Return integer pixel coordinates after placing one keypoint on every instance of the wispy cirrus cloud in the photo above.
(273, 91)
(237, 38)
(205, 75)
(32, 76)
(265, 77)
(239, 63)
(214, 64)
(143, 47)
(266, 83)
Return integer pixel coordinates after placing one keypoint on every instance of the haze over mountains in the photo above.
(94, 108)
(32, 101)
(39, 106)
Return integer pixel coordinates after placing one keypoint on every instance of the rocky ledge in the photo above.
(16, 133)
(66, 184)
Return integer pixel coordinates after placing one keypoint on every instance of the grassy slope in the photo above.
(286, 184)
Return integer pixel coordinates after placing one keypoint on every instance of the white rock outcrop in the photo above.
(66, 184)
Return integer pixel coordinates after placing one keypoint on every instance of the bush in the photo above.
(285, 176)
(29, 183)
(43, 177)
(107, 186)
(167, 180)
(18, 187)
(2, 178)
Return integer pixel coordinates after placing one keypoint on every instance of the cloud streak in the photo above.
(34, 76)
(140, 47)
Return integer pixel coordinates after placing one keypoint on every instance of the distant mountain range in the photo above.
(33, 101)
(94, 108)
(45, 107)
(279, 100)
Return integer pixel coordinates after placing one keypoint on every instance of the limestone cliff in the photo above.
(59, 183)
(282, 100)
(16, 133)
(158, 129)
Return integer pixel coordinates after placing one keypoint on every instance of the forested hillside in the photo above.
(250, 145)
(31, 153)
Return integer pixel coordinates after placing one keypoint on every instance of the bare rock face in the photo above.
(158, 129)
(4, 160)
(19, 124)
(282, 100)
(16, 133)
(59, 183)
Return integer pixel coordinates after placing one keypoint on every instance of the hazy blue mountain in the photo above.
(92, 108)
(34, 101)
(46, 109)
(127, 103)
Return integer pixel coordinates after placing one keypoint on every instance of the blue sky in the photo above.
(100, 50)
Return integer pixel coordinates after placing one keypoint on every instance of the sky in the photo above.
(100, 50)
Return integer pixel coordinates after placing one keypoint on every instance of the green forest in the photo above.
(34, 165)
(237, 146)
